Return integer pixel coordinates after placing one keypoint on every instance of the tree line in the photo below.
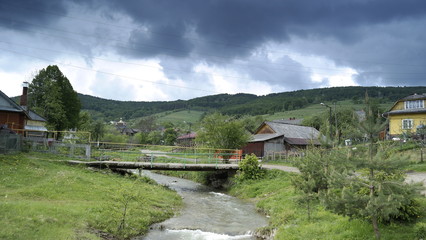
(244, 104)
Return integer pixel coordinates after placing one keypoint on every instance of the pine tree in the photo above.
(376, 191)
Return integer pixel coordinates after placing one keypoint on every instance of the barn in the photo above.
(273, 137)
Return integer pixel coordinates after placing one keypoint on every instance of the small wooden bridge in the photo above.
(159, 166)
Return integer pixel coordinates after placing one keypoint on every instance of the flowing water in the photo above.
(206, 214)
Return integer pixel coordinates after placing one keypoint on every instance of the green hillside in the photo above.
(179, 117)
(286, 103)
(315, 109)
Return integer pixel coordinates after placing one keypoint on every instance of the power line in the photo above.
(139, 50)
(161, 47)
(16, 6)
(128, 63)
(108, 73)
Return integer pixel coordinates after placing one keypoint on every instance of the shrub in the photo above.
(250, 169)
(420, 231)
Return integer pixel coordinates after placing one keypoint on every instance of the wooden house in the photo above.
(19, 117)
(407, 115)
(280, 137)
(186, 140)
(12, 115)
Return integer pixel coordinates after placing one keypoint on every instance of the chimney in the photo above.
(24, 97)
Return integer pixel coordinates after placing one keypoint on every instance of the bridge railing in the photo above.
(163, 154)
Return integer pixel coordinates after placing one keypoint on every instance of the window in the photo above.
(407, 123)
(414, 104)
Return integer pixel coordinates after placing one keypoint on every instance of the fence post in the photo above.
(88, 151)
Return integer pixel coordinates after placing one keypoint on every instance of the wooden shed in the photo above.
(280, 137)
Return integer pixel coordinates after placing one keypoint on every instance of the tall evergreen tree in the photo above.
(376, 191)
(52, 95)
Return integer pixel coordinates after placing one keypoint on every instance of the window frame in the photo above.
(407, 123)
(414, 104)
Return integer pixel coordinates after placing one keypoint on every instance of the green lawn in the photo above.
(41, 198)
(276, 197)
(178, 118)
(316, 109)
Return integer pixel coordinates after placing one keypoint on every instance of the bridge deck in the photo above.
(159, 166)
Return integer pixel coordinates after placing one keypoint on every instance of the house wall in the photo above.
(395, 122)
(274, 145)
(398, 106)
(254, 147)
(265, 130)
(12, 120)
(36, 123)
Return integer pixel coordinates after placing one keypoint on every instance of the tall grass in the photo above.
(41, 198)
(275, 196)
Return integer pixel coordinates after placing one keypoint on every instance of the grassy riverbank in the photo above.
(45, 199)
(275, 196)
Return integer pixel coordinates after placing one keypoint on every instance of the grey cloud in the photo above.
(236, 27)
(380, 39)
(15, 14)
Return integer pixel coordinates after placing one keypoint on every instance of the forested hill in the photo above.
(243, 103)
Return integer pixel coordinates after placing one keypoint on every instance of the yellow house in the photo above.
(407, 115)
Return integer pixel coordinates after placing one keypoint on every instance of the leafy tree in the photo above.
(86, 123)
(222, 132)
(147, 124)
(170, 134)
(252, 123)
(52, 95)
(142, 138)
(155, 137)
(97, 130)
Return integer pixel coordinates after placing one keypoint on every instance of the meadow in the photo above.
(41, 197)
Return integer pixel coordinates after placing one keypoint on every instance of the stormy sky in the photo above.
(161, 50)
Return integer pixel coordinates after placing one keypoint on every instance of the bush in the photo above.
(408, 212)
(420, 231)
(250, 169)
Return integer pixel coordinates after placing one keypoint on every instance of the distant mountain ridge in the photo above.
(241, 103)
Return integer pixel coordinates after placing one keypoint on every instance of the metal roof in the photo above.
(6, 104)
(408, 98)
(414, 97)
(294, 131)
(264, 137)
(188, 136)
(405, 111)
(293, 134)
(33, 115)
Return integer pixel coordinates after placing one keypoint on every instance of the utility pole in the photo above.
(329, 120)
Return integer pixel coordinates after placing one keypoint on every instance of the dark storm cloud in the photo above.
(236, 27)
(381, 39)
(15, 14)
(227, 28)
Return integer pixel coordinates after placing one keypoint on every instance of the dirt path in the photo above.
(281, 167)
(417, 177)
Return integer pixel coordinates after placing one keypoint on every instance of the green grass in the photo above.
(316, 109)
(276, 197)
(45, 199)
(177, 118)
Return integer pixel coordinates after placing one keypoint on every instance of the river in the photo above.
(207, 214)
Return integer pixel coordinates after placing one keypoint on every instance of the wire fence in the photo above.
(10, 142)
